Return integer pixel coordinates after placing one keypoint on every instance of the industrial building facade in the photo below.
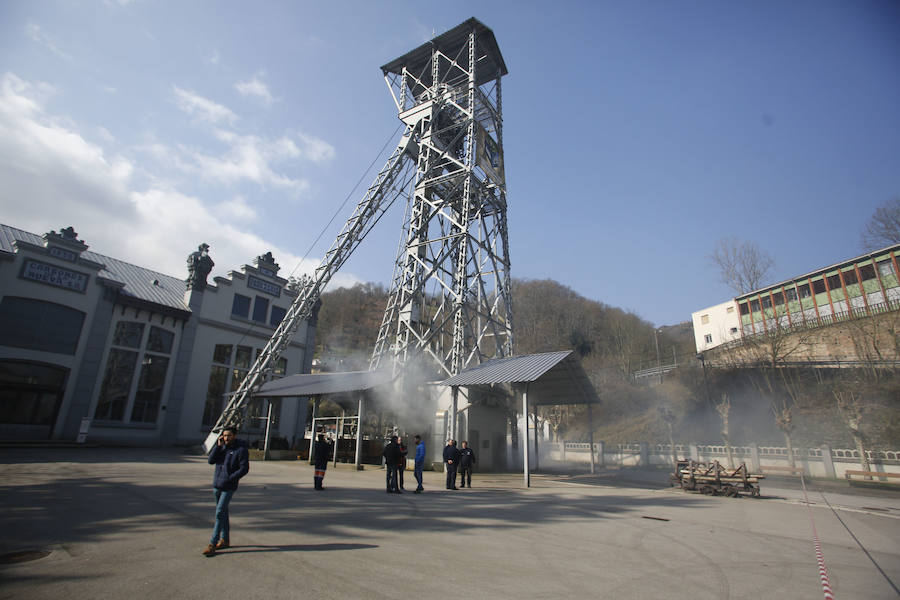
(134, 356)
(866, 285)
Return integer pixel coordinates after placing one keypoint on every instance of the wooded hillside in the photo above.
(614, 343)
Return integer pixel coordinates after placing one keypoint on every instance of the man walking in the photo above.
(321, 452)
(232, 462)
(451, 457)
(466, 462)
(419, 463)
(391, 458)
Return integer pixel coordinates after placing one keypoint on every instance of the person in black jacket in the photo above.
(466, 462)
(451, 457)
(391, 459)
(232, 462)
(401, 464)
(321, 452)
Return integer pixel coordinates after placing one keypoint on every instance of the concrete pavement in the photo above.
(120, 522)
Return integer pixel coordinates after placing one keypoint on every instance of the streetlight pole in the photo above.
(658, 366)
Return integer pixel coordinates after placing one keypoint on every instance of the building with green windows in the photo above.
(863, 286)
(134, 356)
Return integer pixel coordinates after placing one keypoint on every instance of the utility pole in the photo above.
(658, 365)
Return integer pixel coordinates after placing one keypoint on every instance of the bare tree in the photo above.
(851, 407)
(724, 409)
(883, 227)
(742, 265)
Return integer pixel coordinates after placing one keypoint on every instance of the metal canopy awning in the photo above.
(320, 384)
(552, 378)
(549, 378)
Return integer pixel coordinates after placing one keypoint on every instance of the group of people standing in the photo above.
(461, 460)
(232, 461)
(395, 453)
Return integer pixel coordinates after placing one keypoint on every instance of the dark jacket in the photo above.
(392, 453)
(321, 454)
(467, 457)
(403, 453)
(451, 453)
(232, 462)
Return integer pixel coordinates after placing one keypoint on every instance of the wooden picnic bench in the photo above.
(870, 476)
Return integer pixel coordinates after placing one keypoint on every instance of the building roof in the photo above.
(552, 377)
(867, 256)
(320, 384)
(137, 282)
(490, 64)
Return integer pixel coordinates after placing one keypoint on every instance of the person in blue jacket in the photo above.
(419, 463)
(232, 462)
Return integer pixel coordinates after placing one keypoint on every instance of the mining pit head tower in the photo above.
(449, 305)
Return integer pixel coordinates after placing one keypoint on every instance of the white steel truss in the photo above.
(449, 298)
(449, 295)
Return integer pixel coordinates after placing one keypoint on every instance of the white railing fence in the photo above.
(822, 461)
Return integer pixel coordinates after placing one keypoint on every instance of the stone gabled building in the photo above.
(137, 356)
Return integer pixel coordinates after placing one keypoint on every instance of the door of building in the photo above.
(30, 397)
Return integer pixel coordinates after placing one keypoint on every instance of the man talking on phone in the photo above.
(232, 462)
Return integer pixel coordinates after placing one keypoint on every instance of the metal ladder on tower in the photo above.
(389, 184)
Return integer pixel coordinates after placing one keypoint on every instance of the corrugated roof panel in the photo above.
(514, 369)
(318, 384)
(138, 282)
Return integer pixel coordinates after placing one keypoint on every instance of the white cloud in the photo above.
(255, 87)
(238, 209)
(315, 149)
(202, 108)
(248, 158)
(53, 177)
(38, 35)
(212, 58)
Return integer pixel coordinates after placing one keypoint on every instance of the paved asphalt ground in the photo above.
(131, 523)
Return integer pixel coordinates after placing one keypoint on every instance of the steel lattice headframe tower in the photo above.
(449, 295)
(450, 292)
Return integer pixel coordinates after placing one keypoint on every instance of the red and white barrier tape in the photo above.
(820, 558)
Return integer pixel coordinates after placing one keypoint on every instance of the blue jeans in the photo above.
(221, 529)
(417, 473)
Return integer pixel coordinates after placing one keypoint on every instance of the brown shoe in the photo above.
(210, 550)
(222, 544)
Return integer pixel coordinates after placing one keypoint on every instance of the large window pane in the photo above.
(150, 389)
(260, 309)
(222, 354)
(128, 334)
(116, 385)
(280, 367)
(218, 377)
(240, 307)
(242, 359)
(160, 340)
(39, 325)
(277, 316)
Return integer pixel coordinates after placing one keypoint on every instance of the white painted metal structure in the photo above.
(548, 378)
(449, 296)
(449, 167)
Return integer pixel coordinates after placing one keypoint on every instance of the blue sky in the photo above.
(636, 133)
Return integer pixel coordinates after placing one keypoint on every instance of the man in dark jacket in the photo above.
(401, 464)
(391, 459)
(451, 457)
(232, 462)
(466, 462)
(321, 452)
